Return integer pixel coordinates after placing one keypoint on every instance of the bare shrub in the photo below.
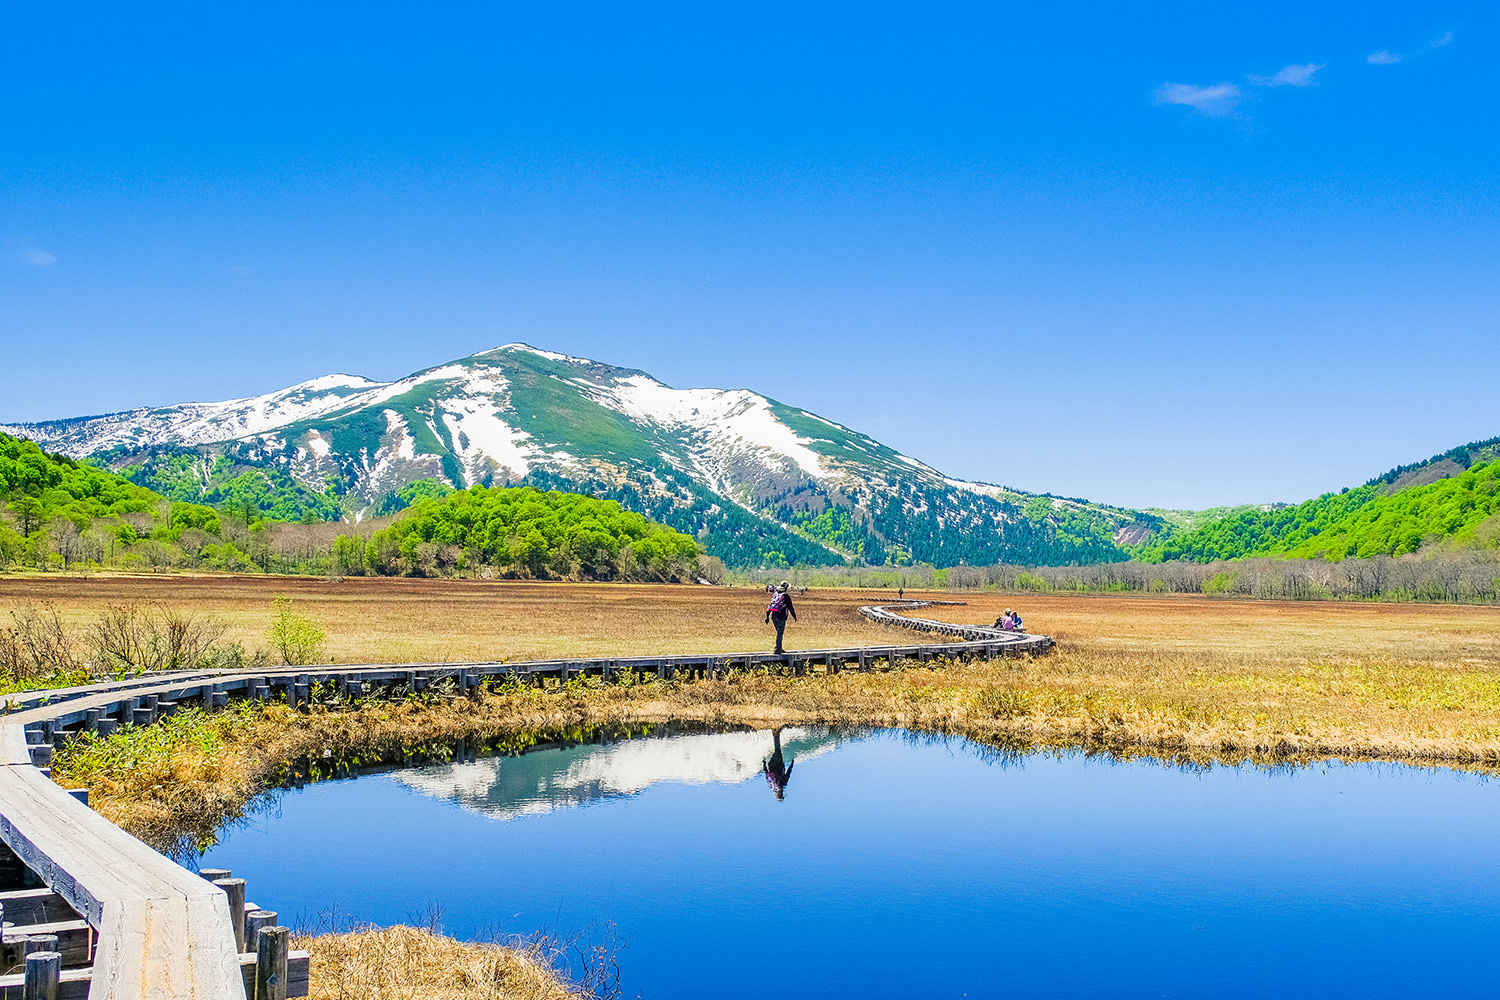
(37, 644)
(151, 637)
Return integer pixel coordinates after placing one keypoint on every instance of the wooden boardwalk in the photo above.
(125, 922)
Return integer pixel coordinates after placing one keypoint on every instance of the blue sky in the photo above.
(1178, 255)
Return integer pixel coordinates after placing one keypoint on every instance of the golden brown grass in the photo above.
(410, 963)
(420, 621)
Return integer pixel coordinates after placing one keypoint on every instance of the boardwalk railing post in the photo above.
(43, 973)
(270, 963)
(234, 888)
(255, 920)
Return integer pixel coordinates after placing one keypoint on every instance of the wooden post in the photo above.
(234, 888)
(43, 974)
(40, 942)
(255, 920)
(142, 716)
(270, 963)
(91, 719)
(107, 726)
(214, 874)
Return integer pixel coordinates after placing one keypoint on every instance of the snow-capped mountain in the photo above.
(754, 478)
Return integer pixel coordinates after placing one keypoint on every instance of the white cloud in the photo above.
(1295, 75)
(1385, 57)
(1214, 101)
(38, 258)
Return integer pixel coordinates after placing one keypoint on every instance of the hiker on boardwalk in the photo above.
(777, 771)
(777, 610)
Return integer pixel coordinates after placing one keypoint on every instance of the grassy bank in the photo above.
(190, 774)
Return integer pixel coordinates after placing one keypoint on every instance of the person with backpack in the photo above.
(776, 612)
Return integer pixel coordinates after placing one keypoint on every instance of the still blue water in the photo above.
(897, 867)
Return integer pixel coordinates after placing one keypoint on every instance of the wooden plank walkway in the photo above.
(155, 931)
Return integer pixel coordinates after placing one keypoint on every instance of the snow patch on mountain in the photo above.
(734, 420)
(484, 443)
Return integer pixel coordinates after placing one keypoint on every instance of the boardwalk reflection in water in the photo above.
(509, 787)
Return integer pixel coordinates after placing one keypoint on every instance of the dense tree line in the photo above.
(57, 513)
(521, 531)
(1362, 522)
(1462, 577)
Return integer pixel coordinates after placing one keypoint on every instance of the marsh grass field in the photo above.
(1180, 674)
(385, 620)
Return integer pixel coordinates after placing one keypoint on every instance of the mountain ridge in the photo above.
(757, 480)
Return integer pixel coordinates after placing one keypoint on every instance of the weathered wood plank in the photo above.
(75, 938)
(74, 985)
(162, 931)
(23, 907)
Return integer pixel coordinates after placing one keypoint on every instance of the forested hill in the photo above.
(37, 487)
(522, 531)
(1461, 509)
(59, 513)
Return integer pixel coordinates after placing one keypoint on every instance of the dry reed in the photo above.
(411, 963)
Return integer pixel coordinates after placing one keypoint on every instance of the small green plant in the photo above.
(298, 639)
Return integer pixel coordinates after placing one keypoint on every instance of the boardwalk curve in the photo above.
(143, 927)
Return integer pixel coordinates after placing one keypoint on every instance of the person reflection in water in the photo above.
(777, 771)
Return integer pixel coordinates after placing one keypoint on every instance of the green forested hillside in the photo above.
(1362, 522)
(523, 531)
(254, 491)
(37, 486)
(55, 512)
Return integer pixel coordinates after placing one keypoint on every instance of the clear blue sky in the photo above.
(1175, 254)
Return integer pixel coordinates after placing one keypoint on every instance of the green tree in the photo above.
(297, 639)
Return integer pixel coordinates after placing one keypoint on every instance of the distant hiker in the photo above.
(777, 771)
(1007, 621)
(777, 610)
(900, 593)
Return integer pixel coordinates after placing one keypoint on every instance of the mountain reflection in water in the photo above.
(509, 787)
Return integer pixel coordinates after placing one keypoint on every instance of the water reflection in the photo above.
(537, 783)
(777, 771)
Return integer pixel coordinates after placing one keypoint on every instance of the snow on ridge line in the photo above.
(724, 414)
(518, 346)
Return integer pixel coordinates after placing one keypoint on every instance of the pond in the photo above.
(878, 864)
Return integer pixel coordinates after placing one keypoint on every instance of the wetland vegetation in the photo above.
(1183, 679)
